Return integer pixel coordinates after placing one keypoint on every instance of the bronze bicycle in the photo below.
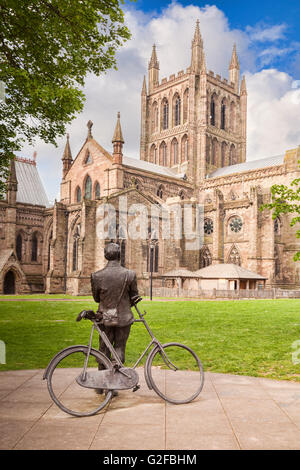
(184, 384)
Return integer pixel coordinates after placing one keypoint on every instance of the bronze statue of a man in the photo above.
(114, 288)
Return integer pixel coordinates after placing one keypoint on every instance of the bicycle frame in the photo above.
(118, 363)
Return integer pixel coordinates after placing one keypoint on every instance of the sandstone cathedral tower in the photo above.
(194, 122)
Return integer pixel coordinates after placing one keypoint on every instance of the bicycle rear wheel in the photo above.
(64, 390)
(176, 374)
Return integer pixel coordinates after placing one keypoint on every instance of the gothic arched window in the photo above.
(34, 248)
(232, 116)
(214, 149)
(152, 252)
(88, 188)
(223, 114)
(75, 248)
(174, 151)
(213, 111)
(177, 110)
(19, 246)
(277, 265)
(223, 154)
(234, 257)
(163, 154)
(184, 148)
(97, 190)
(277, 226)
(88, 158)
(232, 155)
(49, 248)
(165, 114)
(153, 154)
(208, 149)
(205, 257)
(154, 122)
(78, 194)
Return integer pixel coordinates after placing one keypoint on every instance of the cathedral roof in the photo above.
(147, 166)
(30, 186)
(248, 166)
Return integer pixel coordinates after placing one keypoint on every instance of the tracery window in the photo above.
(234, 257)
(205, 257)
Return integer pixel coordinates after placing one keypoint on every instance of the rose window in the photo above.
(236, 224)
(208, 226)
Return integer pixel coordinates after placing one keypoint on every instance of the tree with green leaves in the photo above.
(47, 48)
(286, 200)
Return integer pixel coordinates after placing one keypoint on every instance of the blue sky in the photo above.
(283, 16)
(267, 36)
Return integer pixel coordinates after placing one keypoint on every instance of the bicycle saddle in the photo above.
(135, 300)
(87, 315)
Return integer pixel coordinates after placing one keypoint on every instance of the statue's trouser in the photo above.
(118, 337)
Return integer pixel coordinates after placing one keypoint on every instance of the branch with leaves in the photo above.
(47, 48)
(286, 200)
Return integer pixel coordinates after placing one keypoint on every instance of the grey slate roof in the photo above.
(248, 166)
(146, 166)
(227, 271)
(30, 186)
(216, 271)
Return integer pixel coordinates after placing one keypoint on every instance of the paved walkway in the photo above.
(232, 412)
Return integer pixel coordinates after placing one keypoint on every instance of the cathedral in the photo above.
(192, 153)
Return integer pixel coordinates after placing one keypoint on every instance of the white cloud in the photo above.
(264, 33)
(172, 31)
(273, 113)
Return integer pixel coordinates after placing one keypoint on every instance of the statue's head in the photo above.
(112, 252)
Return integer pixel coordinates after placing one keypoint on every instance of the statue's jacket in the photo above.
(107, 285)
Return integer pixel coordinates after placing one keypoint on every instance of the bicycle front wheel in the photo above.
(175, 373)
(64, 390)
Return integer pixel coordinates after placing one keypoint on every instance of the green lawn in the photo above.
(251, 337)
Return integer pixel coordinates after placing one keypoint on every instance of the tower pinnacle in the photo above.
(118, 142)
(67, 157)
(197, 50)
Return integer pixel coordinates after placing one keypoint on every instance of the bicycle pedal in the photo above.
(137, 387)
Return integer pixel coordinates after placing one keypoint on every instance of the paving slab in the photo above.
(231, 413)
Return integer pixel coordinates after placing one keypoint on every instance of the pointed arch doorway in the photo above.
(9, 284)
